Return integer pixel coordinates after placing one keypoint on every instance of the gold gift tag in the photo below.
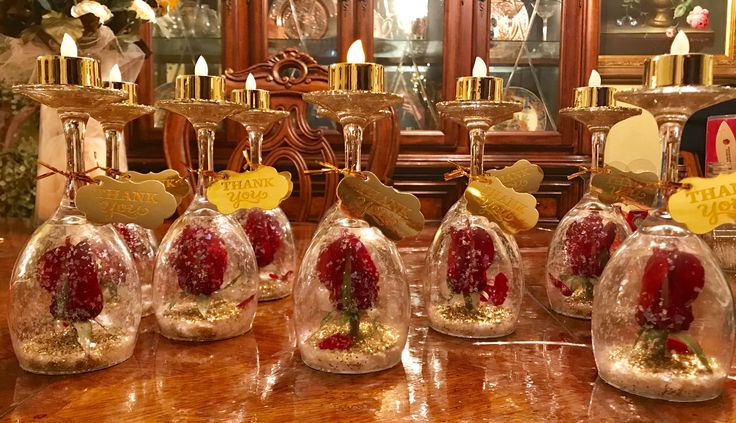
(617, 186)
(124, 201)
(702, 204)
(521, 176)
(264, 188)
(175, 184)
(395, 213)
(512, 211)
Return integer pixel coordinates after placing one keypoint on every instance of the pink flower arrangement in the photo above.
(698, 18)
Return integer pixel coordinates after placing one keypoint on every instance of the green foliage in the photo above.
(18, 163)
(18, 178)
(682, 7)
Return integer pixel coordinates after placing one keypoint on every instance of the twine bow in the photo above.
(586, 170)
(77, 176)
(458, 172)
(328, 168)
(464, 171)
(204, 172)
(115, 173)
(248, 164)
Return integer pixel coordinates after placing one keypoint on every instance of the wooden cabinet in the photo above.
(424, 45)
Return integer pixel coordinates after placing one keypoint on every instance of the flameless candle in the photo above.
(200, 86)
(679, 68)
(115, 81)
(251, 96)
(68, 68)
(480, 86)
(356, 74)
(594, 95)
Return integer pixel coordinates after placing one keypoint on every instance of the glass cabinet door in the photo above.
(307, 25)
(408, 43)
(191, 30)
(525, 52)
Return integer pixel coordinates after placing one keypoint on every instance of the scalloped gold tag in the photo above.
(144, 203)
(175, 184)
(617, 186)
(512, 211)
(264, 188)
(521, 176)
(702, 204)
(397, 214)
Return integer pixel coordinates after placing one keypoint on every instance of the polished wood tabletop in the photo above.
(542, 372)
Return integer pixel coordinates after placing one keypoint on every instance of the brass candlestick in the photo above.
(257, 119)
(596, 108)
(204, 115)
(478, 116)
(113, 118)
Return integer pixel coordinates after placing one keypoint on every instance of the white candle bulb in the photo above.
(595, 79)
(68, 46)
(356, 53)
(115, 75)
(200, 69)
(479, 68)
(681, 44)
(250, 82)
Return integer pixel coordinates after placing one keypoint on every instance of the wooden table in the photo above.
(543, 371)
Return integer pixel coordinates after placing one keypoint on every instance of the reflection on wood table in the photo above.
(542, 372)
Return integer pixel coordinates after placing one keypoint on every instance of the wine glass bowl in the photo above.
(351, 301)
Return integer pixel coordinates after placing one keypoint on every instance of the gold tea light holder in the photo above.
(478, 105)
(256, 116)
(595, 107)
(200, 98)
(114, 116)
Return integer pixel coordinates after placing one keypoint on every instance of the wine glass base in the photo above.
(110, 349)
(669, 387)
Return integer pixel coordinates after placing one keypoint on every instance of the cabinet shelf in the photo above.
(175, 48)
(541, 53)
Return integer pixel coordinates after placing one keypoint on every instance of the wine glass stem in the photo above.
(477, 144)
(670, 133)
(113, 140)
(205, 143)
(598, 147)
(544, 29)
(74, 125)
(353, 134)
(255, 138)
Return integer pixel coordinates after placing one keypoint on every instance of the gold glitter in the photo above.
(644, 359)
(218, 310)
(374, 337)
(483, 314)
(579, 304)
(60, 352)
(272, 289)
